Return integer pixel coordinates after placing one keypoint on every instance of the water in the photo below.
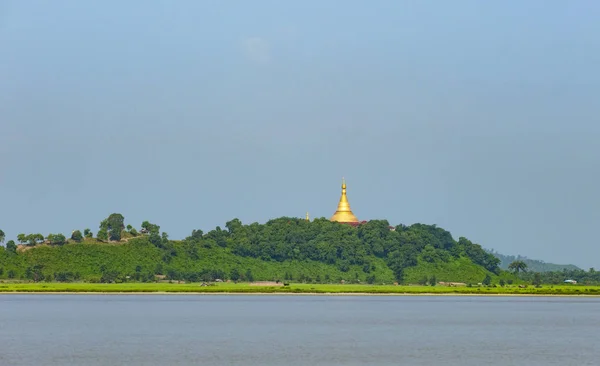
(297, 330)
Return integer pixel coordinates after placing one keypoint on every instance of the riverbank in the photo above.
(323, 289)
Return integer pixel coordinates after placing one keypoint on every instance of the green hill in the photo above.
(287, 249)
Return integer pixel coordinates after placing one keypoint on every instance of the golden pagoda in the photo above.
(343, 213)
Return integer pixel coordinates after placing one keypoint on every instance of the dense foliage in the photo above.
(341, 245)
(287, 249)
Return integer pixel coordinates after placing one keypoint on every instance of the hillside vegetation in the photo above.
(286, 249)
(532, 264)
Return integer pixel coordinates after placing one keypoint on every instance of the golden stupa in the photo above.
(343, 213)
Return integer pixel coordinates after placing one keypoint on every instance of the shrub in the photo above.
(77, 236)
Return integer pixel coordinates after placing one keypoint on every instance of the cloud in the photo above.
(257, 50)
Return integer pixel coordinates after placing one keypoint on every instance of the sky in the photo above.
(480, 117)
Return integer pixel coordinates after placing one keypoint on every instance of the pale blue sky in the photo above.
(481, 117)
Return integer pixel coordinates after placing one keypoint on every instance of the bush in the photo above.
(57, 239)
(433, 280)
(77, 236)
(487, 280)
(249, 276)
(11, 247)
(102, 235)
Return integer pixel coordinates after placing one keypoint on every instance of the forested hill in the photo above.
(532, 264)
(285, 249)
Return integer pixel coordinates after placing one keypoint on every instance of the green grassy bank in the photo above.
(291, 289)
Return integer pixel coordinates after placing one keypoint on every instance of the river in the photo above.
(297, 330)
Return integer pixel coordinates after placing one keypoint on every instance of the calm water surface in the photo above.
(297, 330)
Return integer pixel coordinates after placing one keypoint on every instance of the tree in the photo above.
(197, 234)
(168, 246)
(233, 225)
(88, 233)
(518, 266)
(22, 238)
(235, 275)
(77, 236)
(537, 279)
(34, 273)
(11, 247)
(131, 230)
(433, 281)
(113, 224)
(249, 276)
(102, 235)
(150, 228)
(191, 248)
(155, 239)
(33, 239)
(56, 239)
(2, 236)
(487, 280)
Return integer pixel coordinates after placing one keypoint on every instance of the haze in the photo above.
(480, 117)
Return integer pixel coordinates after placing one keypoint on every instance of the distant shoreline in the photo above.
(221, 293)
(245, 288)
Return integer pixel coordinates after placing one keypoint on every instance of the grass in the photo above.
(291, 289)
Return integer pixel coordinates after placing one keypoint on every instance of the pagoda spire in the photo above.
(307, 217)
(344, 212)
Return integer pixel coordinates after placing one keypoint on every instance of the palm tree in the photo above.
(518, 266)
(2, 236)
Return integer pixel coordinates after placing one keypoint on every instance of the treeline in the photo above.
(285, 249)
(111, 229)
(321, 240)
(590, 277)
(532, 264)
